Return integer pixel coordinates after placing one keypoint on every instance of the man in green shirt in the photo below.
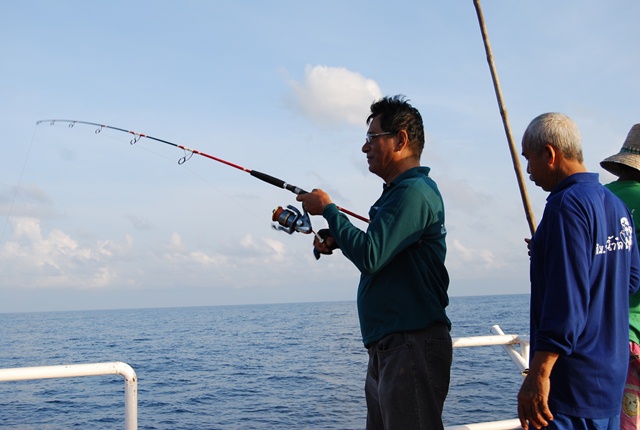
(626, 166)
(402, 294)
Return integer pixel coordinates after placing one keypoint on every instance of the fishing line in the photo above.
(18, 185)
(189, 152)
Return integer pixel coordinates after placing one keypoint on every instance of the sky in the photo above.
(89, 221)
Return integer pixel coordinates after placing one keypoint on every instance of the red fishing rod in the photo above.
(189, 153)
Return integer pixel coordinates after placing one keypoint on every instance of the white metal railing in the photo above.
(519, 358)
(492, 425)
(93, 369)
(508, 342)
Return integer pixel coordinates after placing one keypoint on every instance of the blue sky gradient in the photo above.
(88, 221)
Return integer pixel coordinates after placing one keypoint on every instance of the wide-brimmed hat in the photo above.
(629, 154)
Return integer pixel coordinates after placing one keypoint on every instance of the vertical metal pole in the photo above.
(130, 395)
(505, 121)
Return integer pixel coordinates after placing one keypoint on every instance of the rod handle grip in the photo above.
(277, 182)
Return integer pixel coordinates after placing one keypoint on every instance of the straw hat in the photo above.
(629, 154)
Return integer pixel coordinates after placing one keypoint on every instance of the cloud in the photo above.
(140, 223)
(469, 259)
(36, 258)
(26, 200)
(55, 259)
(267, 250)
(334, 95)
(179, 254)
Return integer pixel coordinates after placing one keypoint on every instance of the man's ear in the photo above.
(551, 153)
(403, 140)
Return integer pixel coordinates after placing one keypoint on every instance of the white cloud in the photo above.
(178, 253)
(175, 242)
(267, 250)
(36, 258)
(30, 244)
(278, 249)
(464, 258)
(55, 259)
(334, 95)
(204, 259)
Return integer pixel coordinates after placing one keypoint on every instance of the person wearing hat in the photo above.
(626, 166)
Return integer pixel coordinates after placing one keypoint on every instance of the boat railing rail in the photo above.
(507, 341)
(91, 369)
(519, 357)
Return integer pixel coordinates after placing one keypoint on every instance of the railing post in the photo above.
(93, 369)
(521, 360)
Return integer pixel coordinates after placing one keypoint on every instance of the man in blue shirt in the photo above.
(584, 266)
(402, 292)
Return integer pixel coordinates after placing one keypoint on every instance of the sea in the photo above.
(269, 366)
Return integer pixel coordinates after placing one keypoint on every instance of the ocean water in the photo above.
(279, 366)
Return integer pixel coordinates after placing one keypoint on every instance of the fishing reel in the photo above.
(290, 219)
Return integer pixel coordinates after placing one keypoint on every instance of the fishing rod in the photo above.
(289, 219)
(505, 120)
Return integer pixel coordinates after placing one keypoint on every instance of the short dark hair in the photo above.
(397, 114)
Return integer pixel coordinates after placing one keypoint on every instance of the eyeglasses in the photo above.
(371, 136)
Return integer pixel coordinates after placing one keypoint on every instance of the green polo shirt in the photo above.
(629, 193)
(403, 283)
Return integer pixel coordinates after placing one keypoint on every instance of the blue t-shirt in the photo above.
(584, 266)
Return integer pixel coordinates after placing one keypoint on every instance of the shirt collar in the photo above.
(574, 179)
(424, 170)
